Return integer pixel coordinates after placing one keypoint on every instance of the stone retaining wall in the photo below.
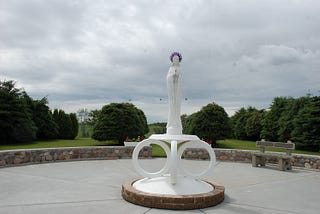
(34, 156)
(306, 161)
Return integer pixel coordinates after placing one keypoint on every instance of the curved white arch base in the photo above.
(174, 146)
(180, 189)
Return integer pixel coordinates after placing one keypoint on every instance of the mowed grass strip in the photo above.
(157, 151)
(251, 145)
(78, 142)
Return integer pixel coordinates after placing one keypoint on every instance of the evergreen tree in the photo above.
(286, 121)
(65, 125)
(253, 125)
(75, 125)
(246, 123)
(238, 122)
(43, 119)
(16, 125)
(270, 123)
(184, 122)
(307, 126)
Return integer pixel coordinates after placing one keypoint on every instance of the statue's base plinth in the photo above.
(162, 185)
(159, 193)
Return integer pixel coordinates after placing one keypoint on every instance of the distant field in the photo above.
(157, 151)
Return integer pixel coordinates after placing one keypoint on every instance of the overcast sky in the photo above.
(85, 54)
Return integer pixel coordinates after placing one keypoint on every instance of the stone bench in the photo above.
(284, 160)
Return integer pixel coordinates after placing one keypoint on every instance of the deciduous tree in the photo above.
(118, 121)
(211, 123)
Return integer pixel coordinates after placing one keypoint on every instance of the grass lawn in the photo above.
(157, 151)
(58, 143)
(251, 145)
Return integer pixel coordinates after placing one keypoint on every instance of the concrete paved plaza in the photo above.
(95, 187)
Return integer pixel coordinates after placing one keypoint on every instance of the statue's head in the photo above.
(175, 57)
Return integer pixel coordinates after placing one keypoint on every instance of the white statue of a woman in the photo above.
(174, 84)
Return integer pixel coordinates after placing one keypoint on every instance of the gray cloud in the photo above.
(85, 54)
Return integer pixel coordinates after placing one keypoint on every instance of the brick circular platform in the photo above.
(175, 202)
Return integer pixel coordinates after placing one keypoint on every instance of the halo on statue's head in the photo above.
(175, 54)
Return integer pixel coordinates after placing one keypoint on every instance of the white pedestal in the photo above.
(161, 185)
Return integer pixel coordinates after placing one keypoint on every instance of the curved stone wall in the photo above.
(34, 156)
(306, 161)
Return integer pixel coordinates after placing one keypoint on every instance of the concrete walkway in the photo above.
(95, 187)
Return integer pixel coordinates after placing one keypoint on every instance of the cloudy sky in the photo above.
(85, 54)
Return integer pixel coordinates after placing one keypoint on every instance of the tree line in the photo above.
(295, 119)
(117, 121)
(23, 119)
(287, 118)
